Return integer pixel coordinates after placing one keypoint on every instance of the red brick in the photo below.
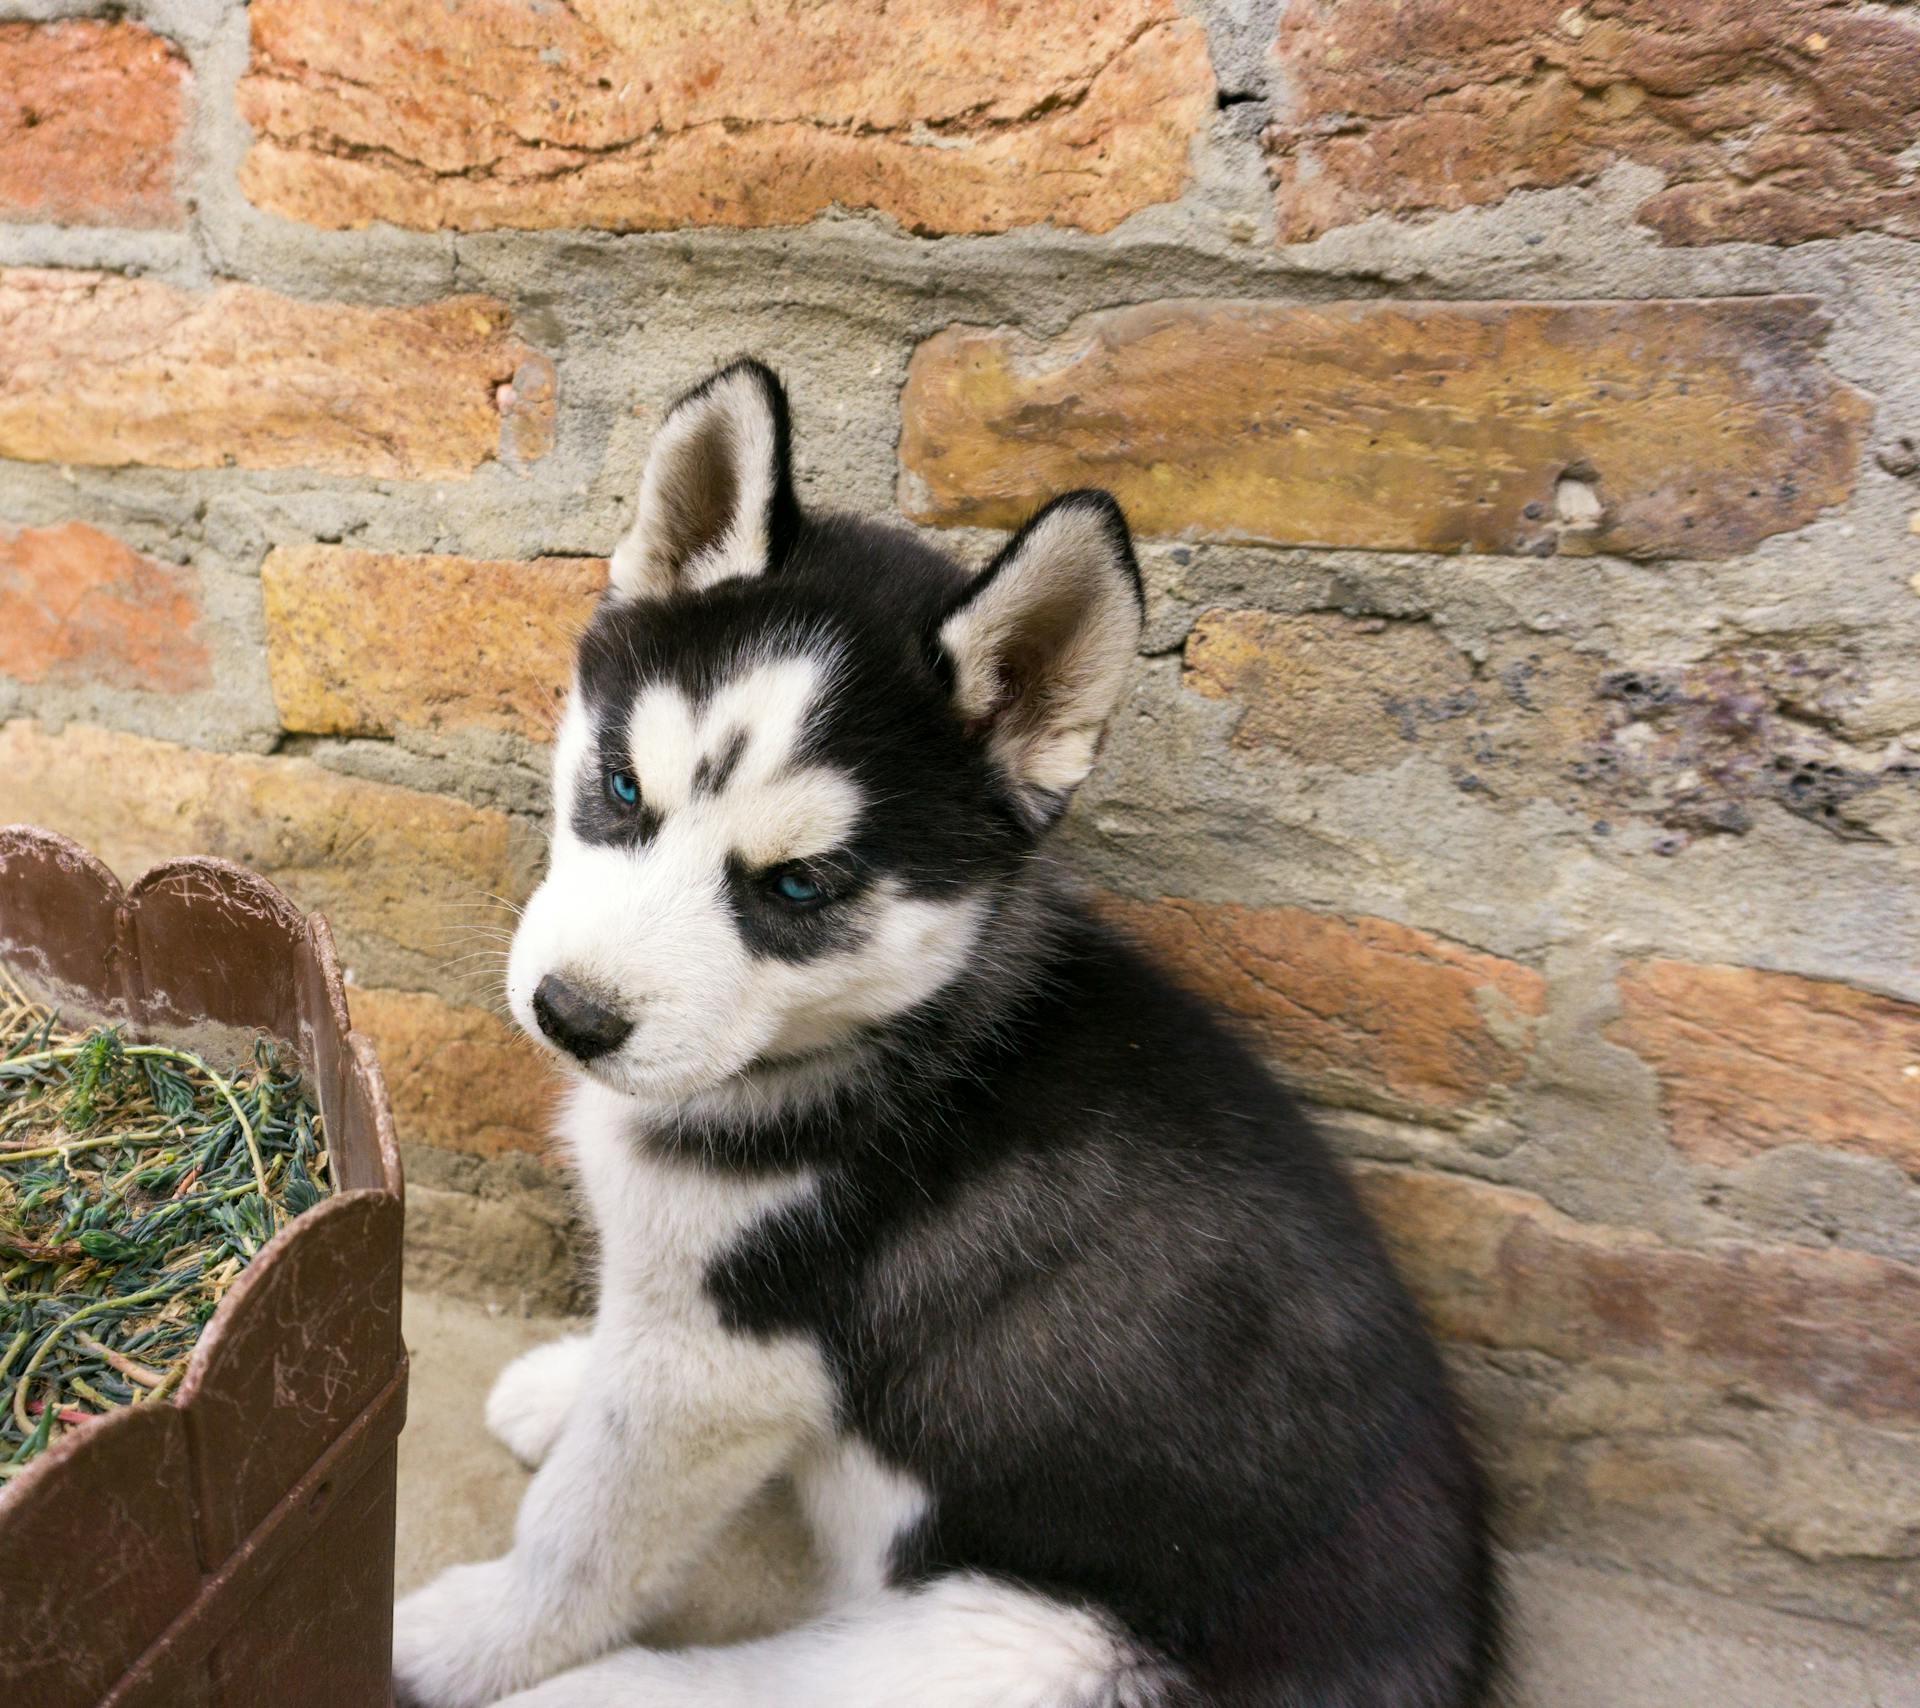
(1749, 1060)
(1357, 1011)
(1499, 1268)
(947, 115)
(91, 116)
(1649, 429)
(1772, 123)
(78, 606)
(110, 371)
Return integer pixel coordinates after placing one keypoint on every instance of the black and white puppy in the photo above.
(917, 1186)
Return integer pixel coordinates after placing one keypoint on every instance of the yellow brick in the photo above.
(364, 643)
(1700, 427)
(400, 875)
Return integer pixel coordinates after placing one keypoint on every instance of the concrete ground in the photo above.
(1586, 1638)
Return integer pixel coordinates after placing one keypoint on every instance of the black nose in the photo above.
(574, 1021)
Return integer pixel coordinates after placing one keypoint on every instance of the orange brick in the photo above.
(110, 371)
(949, 116)
(1749, 1060)
(459, 1077)
(1498, 1268)
(78, 606)
(1357, 1011)
(91, 116)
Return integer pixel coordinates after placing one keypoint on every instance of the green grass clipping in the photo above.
(136, 1183)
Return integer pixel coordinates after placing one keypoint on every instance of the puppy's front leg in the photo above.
(670, 1437)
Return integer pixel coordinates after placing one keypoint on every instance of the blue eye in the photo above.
(795, 886)
(624, 787)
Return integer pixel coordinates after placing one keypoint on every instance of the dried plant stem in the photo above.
(125, 1302)
(136, 1183)
(187, 1058)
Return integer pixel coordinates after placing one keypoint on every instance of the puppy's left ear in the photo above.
(716, 499)
(1040, 645)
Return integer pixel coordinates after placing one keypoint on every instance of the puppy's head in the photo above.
(802, 761)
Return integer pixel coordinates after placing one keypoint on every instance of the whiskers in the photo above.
(471, 946)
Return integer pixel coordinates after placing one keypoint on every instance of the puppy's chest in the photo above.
(863, 1279)
(670, 1230)
(890, 1293)
(664, 1223)
(865, 1498)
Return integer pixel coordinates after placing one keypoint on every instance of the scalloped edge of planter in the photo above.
(235, 1546)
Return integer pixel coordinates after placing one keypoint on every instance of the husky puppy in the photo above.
(918, 1186)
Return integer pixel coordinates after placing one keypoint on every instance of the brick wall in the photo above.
(1520, 406)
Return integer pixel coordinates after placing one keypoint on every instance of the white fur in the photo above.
(770, 809)
(532, 1396)
(702, 511)
(961, 1642)
(856, 1507)
(652, 925)
(677, 1425)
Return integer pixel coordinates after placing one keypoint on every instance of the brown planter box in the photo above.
(233, 1549)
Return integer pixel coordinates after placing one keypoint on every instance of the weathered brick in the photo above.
(459, 1077)
(1748, 1060)
(90, 122)
(76, 605)
(397, 873)
(1355, 1011)
(1499, 1268)
(1324, 688)
(105, 370)
(1700, 748)
(1649, 429)
(1772, 123)
(363, 643)
(1688, 1474)
(636, 117)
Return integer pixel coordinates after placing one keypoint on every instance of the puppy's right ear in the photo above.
(1039, 647)
(716, 500)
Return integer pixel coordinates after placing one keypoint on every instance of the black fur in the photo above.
(711, 775)
(1105, 1294)
(1079, 1265)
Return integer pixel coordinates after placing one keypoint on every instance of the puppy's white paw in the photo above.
(533, 1395)
(454, 1643)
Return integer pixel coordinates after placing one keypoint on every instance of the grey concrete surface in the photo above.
(1585, 1638)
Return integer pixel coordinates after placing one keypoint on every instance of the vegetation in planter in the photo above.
(136, 1183)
